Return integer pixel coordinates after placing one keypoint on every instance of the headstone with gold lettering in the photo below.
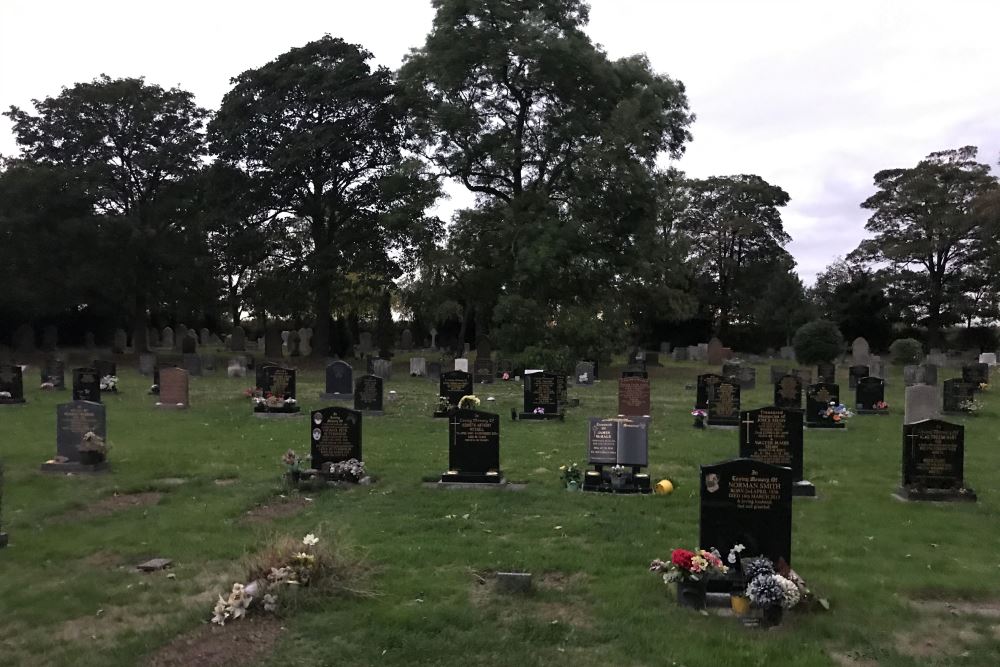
(934, 462)
(705, 392)
(277, 386)
(618, 448)
(473, 448)
(820, 397)
(368, 395)
(633, 397)
(788, 393)
(774, 435)
(724, 407)
(750, 503)
(452, 386)
(541, 397)
(335, 436)
(73, 421)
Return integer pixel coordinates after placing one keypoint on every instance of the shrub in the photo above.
(817, 341)
(906, 351)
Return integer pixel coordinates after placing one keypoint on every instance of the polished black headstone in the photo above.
(12, 383)
(339, 381)
(73, 421)
(774, 435)
(86, 385)
(473, 448)
(334, 436)
(724, 407)
(788, 392)
(368, 394)
(705, 392)
(934, 462)
(818, 399)
(869, 393)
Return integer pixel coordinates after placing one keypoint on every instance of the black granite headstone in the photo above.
(105, 368)
(541, 396)
(818, 399)
(826, 373)
(335, 436)
(453, 385)
(54, 372)
(339, 381)
(621, 444)
(774, 436)
(956, 393)
(788, 392)
(473, 448)
(73, 421)
(934, 462)
(707, 383)
(11, 385)
(724, 407)
(86, 385)
(483, 371)
(276, 380)
(854, 373)
(368, 394)
(869, 396)
(750, 503)
(976, 374)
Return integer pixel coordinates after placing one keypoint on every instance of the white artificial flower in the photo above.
(270, 603)
(310, 540)
(219, 613)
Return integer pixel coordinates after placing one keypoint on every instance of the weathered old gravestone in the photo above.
(869, 396)
(406, 340)
(826, 373)
(368, 395)
(272, 342)
(988, 358)
(473, 448)
(434, 369)
(542, 396)
(775, 436)
(452, 386)
(192, 364)
(634, 397)
(119, 342)
(167, 340)
(189, 343)
(50, 338)
(860, 352)
(679, 354)
(705, 392)
(855, 373)
(483, 370)
(335, 436)
(180, 335)
(54, 372)
(750, 503)
(652, 358)
(147, 363)
(339, 382)
(877, 368)
(715, 353)
(174, 384)
(912, 375)
(73, 421)
(11, 385)
(788, 393)
(238, 340)
(934, 462)
(976, 374)
(930, 374)
(86, 385)
(306, 341)
(583, 374)
(418, 367)
(957, 395)
(461, 364)
(294, 343)
(623, 445)
(381, 368)
(819, 397)
(724, 406)
(365, 345)
(922, 402)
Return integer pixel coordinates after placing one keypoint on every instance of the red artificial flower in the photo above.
(681, 558)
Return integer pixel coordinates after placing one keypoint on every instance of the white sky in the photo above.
(813, 96)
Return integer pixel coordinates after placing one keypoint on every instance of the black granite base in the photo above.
(804, 489)
(283, 413)
(831, 426)
(728, 427)
(373, 413)
(12, 401)
(440, 414)
(534, 417)
(455, 477)
(71, 467)
(936, 495)
(872, 412)
(336, 397)
(629, 483)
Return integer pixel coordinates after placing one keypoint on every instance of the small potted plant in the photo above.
(93, 449)
(699, 417)
(570, 475)
(690, 571)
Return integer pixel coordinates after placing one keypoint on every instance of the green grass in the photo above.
(68, 597)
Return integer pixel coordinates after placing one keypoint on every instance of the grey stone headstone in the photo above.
(75, 419)
(119, 342)
(168, 337)
(305, 342)
(292, 341)
(583, 374)
(192, 364)
(938, 359)
(680, 354)
(237, 368)
(694, 353)
(406, 340)
(913, 375)
(434, 333)
(179, 337)
(922, 402)
(989, 358)
(382, 368)
(50, 339)
(238, 341)
(860, 352)
(930, 374)
(365, 342)
(462, 364)
(787, 352)
(147, 363)
(418, 367)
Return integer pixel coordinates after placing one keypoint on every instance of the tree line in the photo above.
(306, 199)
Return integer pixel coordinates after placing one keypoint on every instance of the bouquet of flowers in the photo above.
(687, 565)
(880, 405)
(470, 402)
(109, 383)
(570, 475)
(836, 412)
(351, 470)
(766, 588)
(699, 417)
(538, 411)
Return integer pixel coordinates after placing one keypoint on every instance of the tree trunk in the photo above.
(321, 331)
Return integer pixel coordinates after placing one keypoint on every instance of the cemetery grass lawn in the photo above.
(68, 595)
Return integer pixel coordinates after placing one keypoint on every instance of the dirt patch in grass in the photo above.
(107, 623)
(560, 581)
(112, 505)
(934, 639)
(987, 608)
(574, 613)
(103, 558)
(238, 643)
(279, 508)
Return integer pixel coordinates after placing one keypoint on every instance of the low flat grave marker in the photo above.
(774, 435)
(618, 448)
(473, 448)
(934, 462)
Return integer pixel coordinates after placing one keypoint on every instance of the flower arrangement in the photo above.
(292, 462)
(570, 475)
(970, 405)
(984, 386)
(109, 383)
(470, 402)
(538, 411)
(93, 448)
(5, 394)
(766, 588)
(880, 405)
(443, 404)
(836, 412)
(265, 400)
(351, 470)
(685, 565)
(699, 417)
(47, 386)
(583, 378)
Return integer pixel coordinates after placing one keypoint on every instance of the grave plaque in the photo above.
(54, 372)
(788, 393)
(633, 397)
(707, 384)
(774, 436)
(339, 382)
(750, 503)
(11, 385)
(473, 448)
(934, 462)
(724, 408)
(583, 374)
(826, 373)
(854, 373)
(73, 421)
(541, 396)
(957, 394)
(86, 385)
(869, 396)
(335, 436)
(174, 385)
(622, 444)
(483, 370)
(818, 399)
(368, 395)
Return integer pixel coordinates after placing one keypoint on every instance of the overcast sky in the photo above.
(813, 96)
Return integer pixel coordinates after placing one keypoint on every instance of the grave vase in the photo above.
(572, 485)
(692, 594)
(771, 616)
(740, 604)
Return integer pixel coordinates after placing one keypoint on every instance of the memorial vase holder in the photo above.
(692, 594)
